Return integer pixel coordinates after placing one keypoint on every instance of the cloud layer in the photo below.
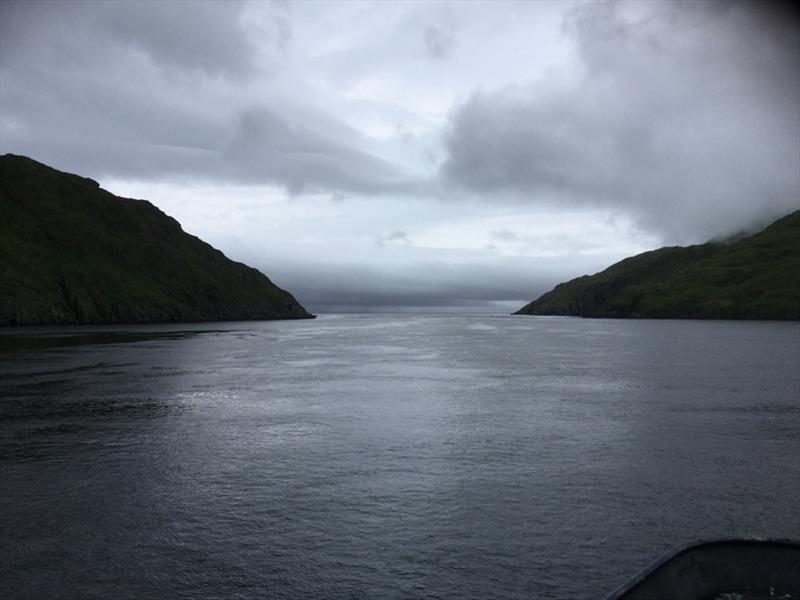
(153, 90)
(682, 116)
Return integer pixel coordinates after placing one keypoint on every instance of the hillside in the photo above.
(71, 252)
(756, 277)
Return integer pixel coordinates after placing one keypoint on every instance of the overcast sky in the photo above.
(419, 153)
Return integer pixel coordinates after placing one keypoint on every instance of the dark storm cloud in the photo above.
(688, 119)
(159, 90)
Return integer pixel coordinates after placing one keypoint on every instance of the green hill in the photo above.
(756, 277)
(71, 252)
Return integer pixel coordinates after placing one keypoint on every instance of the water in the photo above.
(381, 456)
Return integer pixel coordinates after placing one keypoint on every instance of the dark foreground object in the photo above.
(73, 253)
(755, 277)
(721, 570)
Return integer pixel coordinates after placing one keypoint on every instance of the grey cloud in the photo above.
(398, 236)
(259, 146)
(504, 235)
(152, 90)
(206, 35)
(116, 73)
(687, 120)
(438, 43)
(267, 146)
(393, 237)
(172, 35)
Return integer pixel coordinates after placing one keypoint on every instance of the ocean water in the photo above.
(387, 456)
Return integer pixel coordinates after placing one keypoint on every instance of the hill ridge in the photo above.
(751, 277)
(74, 253)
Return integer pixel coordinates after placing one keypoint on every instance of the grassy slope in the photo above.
(757, 277)
(71, 252)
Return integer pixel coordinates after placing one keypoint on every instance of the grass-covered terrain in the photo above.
(71, 252)
(756, 277)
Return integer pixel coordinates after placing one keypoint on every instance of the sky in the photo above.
(399, 154)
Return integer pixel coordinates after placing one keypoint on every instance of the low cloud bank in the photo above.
(681, 117)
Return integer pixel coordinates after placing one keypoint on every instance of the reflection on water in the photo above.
(21, 340)
(373, 456)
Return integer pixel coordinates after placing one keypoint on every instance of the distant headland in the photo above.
(754, 277)
(74, 253)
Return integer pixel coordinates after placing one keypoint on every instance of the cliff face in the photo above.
(756, 277)
(71, 252)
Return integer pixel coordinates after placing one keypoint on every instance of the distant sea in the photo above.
(387, 456)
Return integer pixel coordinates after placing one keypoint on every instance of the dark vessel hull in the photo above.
(721, 570)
